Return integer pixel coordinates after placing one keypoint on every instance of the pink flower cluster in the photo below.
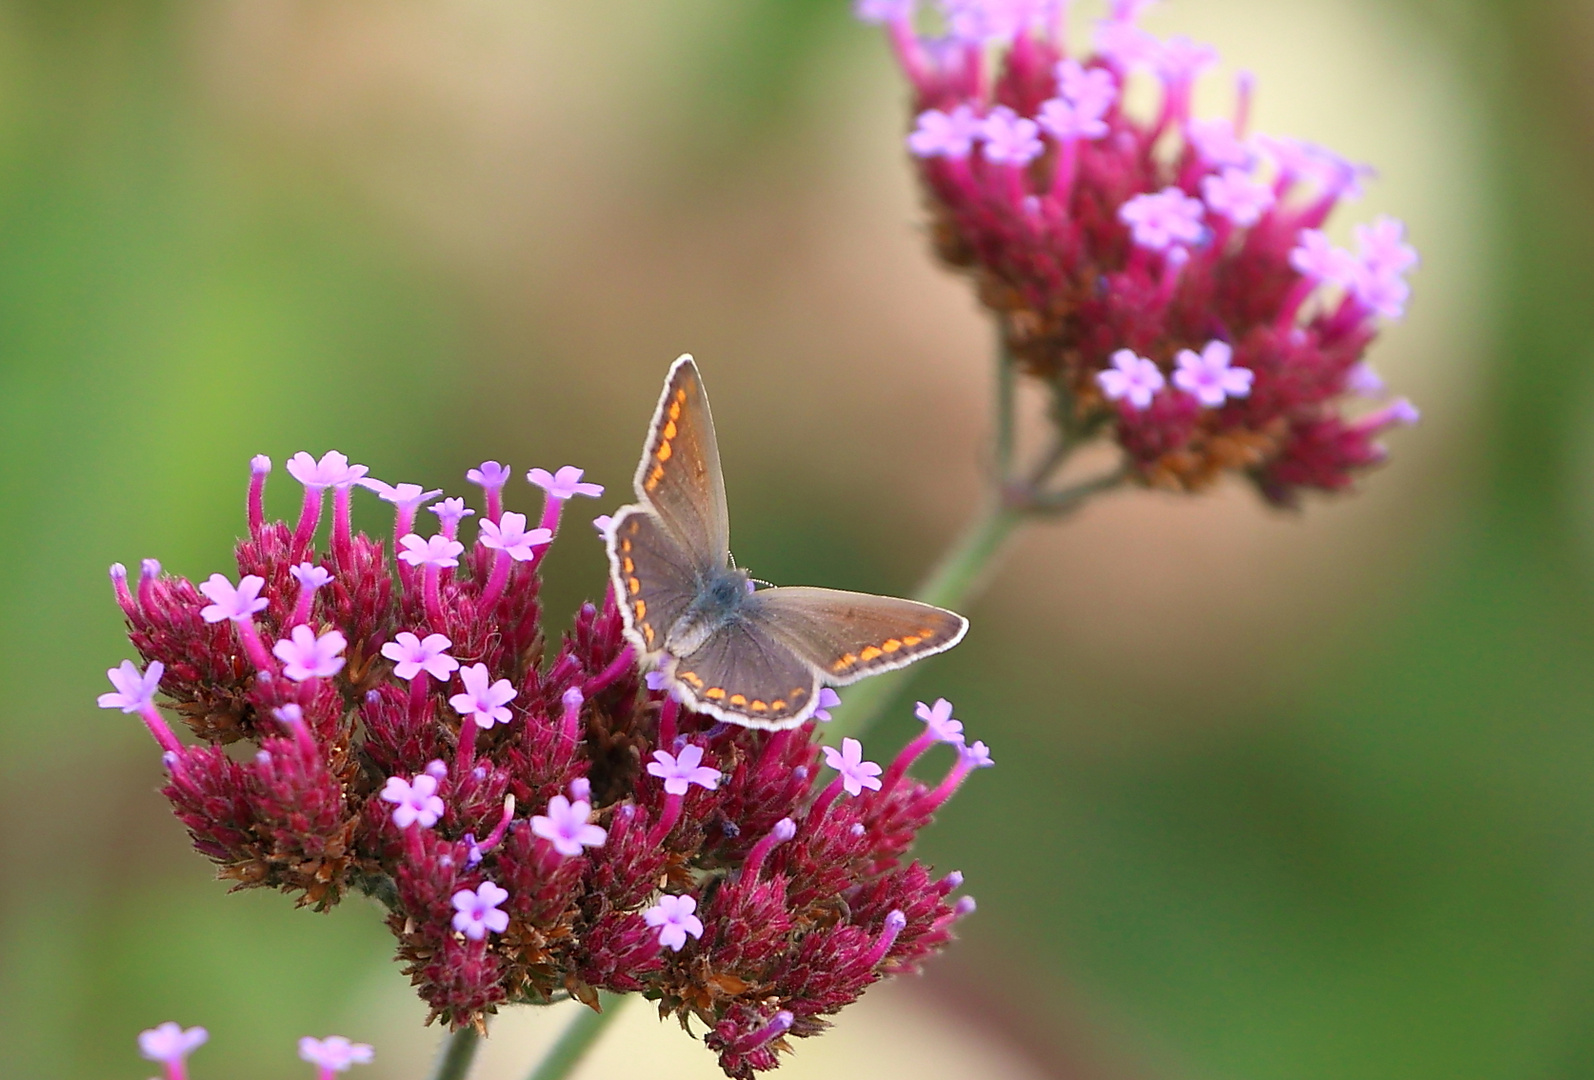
(538, 820)
(170, 1044)
(1166, 274)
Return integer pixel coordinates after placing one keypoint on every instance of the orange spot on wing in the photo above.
(630, 567)
(891, 645)
(844, 663)
(675, 410)
(669, 430)
(777, 705)
(798, 693)
(738, 699)
(868, 653)
(664, 451)
(625, 545)
(634, 585)
(641, 609)
(910, 641)
(714, 692)
(647, 632)
(690, 677)
(759, 706)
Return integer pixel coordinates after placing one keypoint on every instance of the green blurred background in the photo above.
(1278, 796)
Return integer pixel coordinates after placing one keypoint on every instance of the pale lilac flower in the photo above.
(482, 702)
(409, 495)
(435, 550)
(603, 523)
(227, 602)
(491, 476)
(883, 11)
(1091, 90)
(856, 773)
(938, 721)
(1161, 220)
(510, 535)
(1064, 121)
(942, 134)
(334, 1053)
(333, 470)
(310, 576)
(1126, 45)
(828, 699)
(656, 680)
(1209, 378)
(1383, 248)
(1386, 294)
(1298, 159)
(1010, 139)
(1315, 257)
(1237, 196)
(305, 656)
(564, 484)
(1363, 381)
(565, 826)
(1180, 60)
(673, 917)
(451, 511)
(977, 756)
(134, 691)
(1131, 10)
(680, 771)
(411, 655)
(416, 801)
(1215, 142)
(1132, 378)
(169, 1043)
(476, 911)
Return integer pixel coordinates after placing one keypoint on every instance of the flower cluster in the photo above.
(1166, 274)
(170, 1045)
(539, 819)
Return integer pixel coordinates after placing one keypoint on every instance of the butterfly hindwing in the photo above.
(848, 635)
(744, 673)
(653, 576)
(679, 475)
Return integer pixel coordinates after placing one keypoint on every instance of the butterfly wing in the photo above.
(746, 674)
(679, 476)
(848, 636)
(654, 577)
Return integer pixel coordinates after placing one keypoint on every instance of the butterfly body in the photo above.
(756, 657)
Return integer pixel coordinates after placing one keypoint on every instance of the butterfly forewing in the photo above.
(848, 635)
(654, 577)
(748, 675)
(679, 475)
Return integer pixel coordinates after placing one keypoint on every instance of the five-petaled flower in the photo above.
(169, 1043)
(828, 699)
(310, 576)
(938, 721)
(415, 801)
(1209, 378)
(450, 512)
(1163, 219)
(856, 773)
(412, 655)
(680, 771)
(489, 475)
(1131, 378)
(476, 911)
(227, 602)
(1238, 196)
(333, 470)
(435, 550)
(945, 134)
(334, 1053)
(511, 536)
(483, 701)
(134, 691)
(305, 656)
(564, 484)
(565, 826)
(410, 495)
(1010, 139)
(673, 917)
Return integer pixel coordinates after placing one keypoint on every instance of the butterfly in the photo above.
(750, 656)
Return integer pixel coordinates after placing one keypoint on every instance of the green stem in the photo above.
(459, 1050)
(577, 1039)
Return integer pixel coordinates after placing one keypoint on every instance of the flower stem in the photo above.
(459, 1050)
(577, 1039)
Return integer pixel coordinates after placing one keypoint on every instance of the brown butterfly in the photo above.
(749, 656)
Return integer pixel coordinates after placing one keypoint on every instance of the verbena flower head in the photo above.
(535, 820)
(1112, 244)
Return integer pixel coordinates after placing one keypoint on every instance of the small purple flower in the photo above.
(416, 801)
(1160, 220)
(883, 11)
(565, 826)
(310, 576)
(680, 771)
(1064, 121)
(656, 681)
(511, 536)
(828, 699)
(603, 523)
(1363, 381)
(490, 476)
(476, 911)
(942, 134)
(1132, 378)
(1298, 159)
(673, 917)
(333, 470)
(1383, 248)
(482, 702)
(564, 484)
(435, 550)
(134, 691)
(169, 1043)
(1316, 258)
(410, 495)
(227, 602)
(305, 656)
(334, 1053)
(1126, 45)
(1386, 294)
(1010, 139)
(977, 756)
(1179, 59)
(1208, 377)
(856, 773)
(451, 512)
(1092, 90)
(411, 655)
(1237, 196)
(1215, 142)
(938, 721)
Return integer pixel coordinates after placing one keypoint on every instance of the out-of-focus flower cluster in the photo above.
(538, 819)
(170, 1044)
(1167, 274)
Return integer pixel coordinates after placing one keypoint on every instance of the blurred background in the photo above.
(1290, 796)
